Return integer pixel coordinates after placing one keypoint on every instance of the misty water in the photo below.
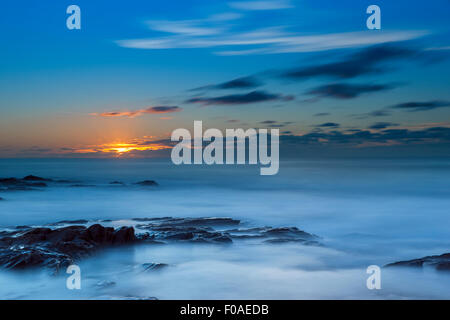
(367, 212)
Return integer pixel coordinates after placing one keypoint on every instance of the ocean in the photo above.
(366, 212)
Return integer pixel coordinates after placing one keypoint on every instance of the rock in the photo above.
(14, 184)
(57, 248)
(147, 183)
(154, 266)
(1, 199)
(34, 178)
(10, 181)
(124, 235)
(117, 182)
(38, 184)
(440, 263)
(105, 284)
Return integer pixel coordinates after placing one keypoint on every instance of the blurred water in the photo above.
(367, 211)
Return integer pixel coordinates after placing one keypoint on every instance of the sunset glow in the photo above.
(119, 149)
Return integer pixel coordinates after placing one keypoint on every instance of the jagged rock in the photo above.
(57, 248)
(441, 263)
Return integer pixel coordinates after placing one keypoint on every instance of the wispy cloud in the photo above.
(366, 61)
(232, 35)
(234, 99)
(421, 105)
(382, 125)
(328, 125)
(347, 91)
(239, 83)
(136, 113)
(261, 5)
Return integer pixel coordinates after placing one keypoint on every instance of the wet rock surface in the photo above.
(148, 267)
(439, 262)
(60, 244)
(58, 248)
(32, 182)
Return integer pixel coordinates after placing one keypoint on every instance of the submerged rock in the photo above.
(25, 184)
(117, 183)
(154, 266)
(147, 183)
(58, 248)
(1, 199)
(441, 263)
(34, 178)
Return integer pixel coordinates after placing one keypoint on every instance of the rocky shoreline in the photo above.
(438, 262)
(60, 244)
(57, 245)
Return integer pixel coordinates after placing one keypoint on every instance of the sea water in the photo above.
(367, 212)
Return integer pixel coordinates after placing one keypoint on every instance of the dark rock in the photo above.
(10, 181)
(441, 263)
(13, 184)
(291, 232)
(147, 183)
(1, 199)
(34, 178)
(154, 266)
(60, 246)
(124, 235)
(66, 181)
(37, 184)
(57, 248)
(117, 182)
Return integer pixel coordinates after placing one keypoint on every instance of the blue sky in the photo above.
(69, 90)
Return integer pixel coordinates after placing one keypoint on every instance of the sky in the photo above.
(137, 70)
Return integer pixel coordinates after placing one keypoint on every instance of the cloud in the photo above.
(261, 5)
(276, 124)
(421, 105)
(268, 122)
(233, 99)
(136, 113)
(382, 125)
(328, 125)
(347, 91)
(321, 114)
(366, 138)
(238, 39)
(364, 62)
(376, 113)
(239, 83)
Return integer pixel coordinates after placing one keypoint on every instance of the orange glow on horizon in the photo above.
(120, 149)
